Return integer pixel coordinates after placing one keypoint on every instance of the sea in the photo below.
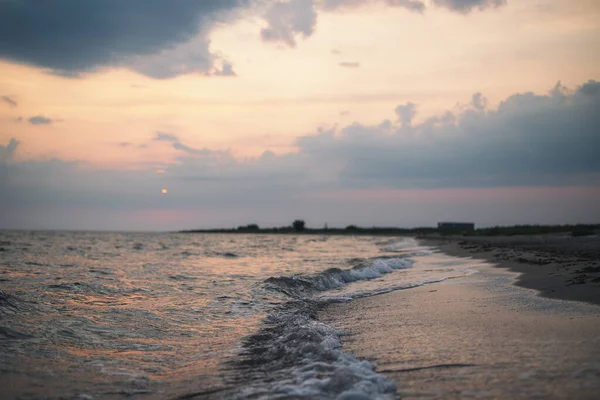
(100, 315)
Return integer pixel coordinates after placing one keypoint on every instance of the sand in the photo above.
(482, 336)
(557, 266)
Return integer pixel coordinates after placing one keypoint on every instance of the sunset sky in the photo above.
(367, 112)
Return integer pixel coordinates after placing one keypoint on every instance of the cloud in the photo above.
(186, 58)
(590, 88)
(460, 6)
(349, 64)
(165, 137)
(287, 19)
(528, 140)
(39, 120)
(9, 101)
(188, 149)
(7, 152)
(155, 37)
(479, 102)
(226, 70)
(406, 112)
(466, 6)
(411, 5)
(178, 145)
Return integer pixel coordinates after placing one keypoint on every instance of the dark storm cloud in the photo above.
(9, 101)
(39, 120)
(466, 6)
(158, 38)
(74, 36)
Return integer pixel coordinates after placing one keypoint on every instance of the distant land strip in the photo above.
(576, 230)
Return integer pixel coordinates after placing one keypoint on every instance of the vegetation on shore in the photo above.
(573, 230)
(299, 226)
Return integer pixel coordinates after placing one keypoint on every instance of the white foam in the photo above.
(303, 357)
(409, 247)
(373, 270)
(321, 369)
(403, 244)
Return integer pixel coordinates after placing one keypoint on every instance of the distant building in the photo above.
(456, 226)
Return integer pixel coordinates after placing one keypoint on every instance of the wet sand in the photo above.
(482, 336)
(557, 266)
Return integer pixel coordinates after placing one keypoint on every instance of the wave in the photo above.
(303, 359)
(302, 356)
(305, 286)
(409, 247)
(10, 305)
(5, 301)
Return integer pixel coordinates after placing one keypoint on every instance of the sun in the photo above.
(164, 191)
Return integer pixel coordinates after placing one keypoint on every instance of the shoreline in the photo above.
(485, 335)
(556, 267)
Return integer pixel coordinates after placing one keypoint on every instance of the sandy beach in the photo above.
(489, 334)
(557, 266)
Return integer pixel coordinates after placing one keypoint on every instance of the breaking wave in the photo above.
(301, 355)
(303, 359)
(333, 278)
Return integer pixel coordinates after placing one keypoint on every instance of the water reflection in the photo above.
(115, 314)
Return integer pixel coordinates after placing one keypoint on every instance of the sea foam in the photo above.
(299, 286)
(301, 355)
(303, 359)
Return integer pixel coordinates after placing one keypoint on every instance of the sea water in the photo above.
(167, 315)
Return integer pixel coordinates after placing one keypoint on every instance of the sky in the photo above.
(181, 114)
